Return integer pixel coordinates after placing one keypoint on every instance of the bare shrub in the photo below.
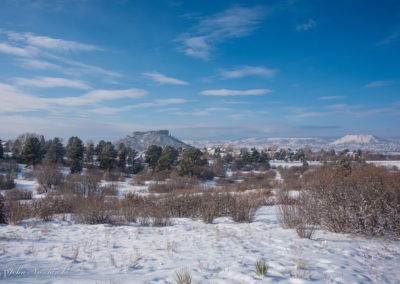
(18, 194)
(149, 175)
(243, 208)
(175, 183)
(17, 211)
(6, 181)
(48, 176)
(109, 189)
(94, 210)
(363, 199)
(305, 230)
(83, 185)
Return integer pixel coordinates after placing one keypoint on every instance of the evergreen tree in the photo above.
(44, 146)
(191, 159)
(1, 150)
(99, 147)
(167, 159)
(255, 155)
(31, 152)
(122, 156)
(107, 156)
(56, 152)
(16, 150)
(75, 151)
(153, 154)
(89, 153)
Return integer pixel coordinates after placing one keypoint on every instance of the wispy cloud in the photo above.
(234, 22)
(161, 78)
(226, 92)
(388, 40)
(156, 103)
(51, 82)
(98, 96)
(378, 84)
(248, 71)
(14, 100)
(344, 107)
(50, 43)
(305, 27)
(206, 111)
(328, 98)
(17, 51)
(37, 64)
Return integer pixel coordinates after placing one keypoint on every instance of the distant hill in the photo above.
(351, 142)
(141, 140)
(358, 139)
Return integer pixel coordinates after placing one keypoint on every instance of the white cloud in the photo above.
(378, 84)
(156, 103)
(51, 82)
(327, 98)
(98, 96)
(37, 64)
(206, 111)
(248, 71)
(14, 100)
(18, 51)
(50, 43)
(226, 92)
(389, 39)
(160, 78)
(234, 22)
(305, 27)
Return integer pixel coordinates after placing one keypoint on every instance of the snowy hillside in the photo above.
(141, 140)
(357, 139)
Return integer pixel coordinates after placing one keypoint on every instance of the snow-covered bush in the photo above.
(363, 199)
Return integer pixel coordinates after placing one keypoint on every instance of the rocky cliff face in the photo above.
(140, 141)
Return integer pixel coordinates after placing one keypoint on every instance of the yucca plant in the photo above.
(183, 277)
(261, 267)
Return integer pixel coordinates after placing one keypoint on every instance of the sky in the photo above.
(201, 69)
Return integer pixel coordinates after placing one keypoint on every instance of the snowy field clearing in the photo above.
(388, 164)
(224, 252)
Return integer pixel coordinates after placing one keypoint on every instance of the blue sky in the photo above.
(202, 69)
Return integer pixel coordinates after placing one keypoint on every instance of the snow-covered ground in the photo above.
(224, 252)
(388, 164)
(283, 164)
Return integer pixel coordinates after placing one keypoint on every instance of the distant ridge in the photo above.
(141, 140)
(357, 139)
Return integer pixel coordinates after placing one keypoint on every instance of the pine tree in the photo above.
(191, 159)
(122, 156)
(167, 159)
(107, 156)
(89, 153)
(1, 150)
(75, 150)
(99, 147)
(56, 152)
(153, 154)
(31, 152)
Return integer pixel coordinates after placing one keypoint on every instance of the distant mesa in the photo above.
(357, 139)
(141, 140)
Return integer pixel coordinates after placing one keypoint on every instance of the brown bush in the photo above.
(95, 210)
(173, 184)
(48, 176)
(6, 181)
(109, 189)
(17, 194)
(84, 185)
(243, 208)
(17, 211)
(364, 199)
